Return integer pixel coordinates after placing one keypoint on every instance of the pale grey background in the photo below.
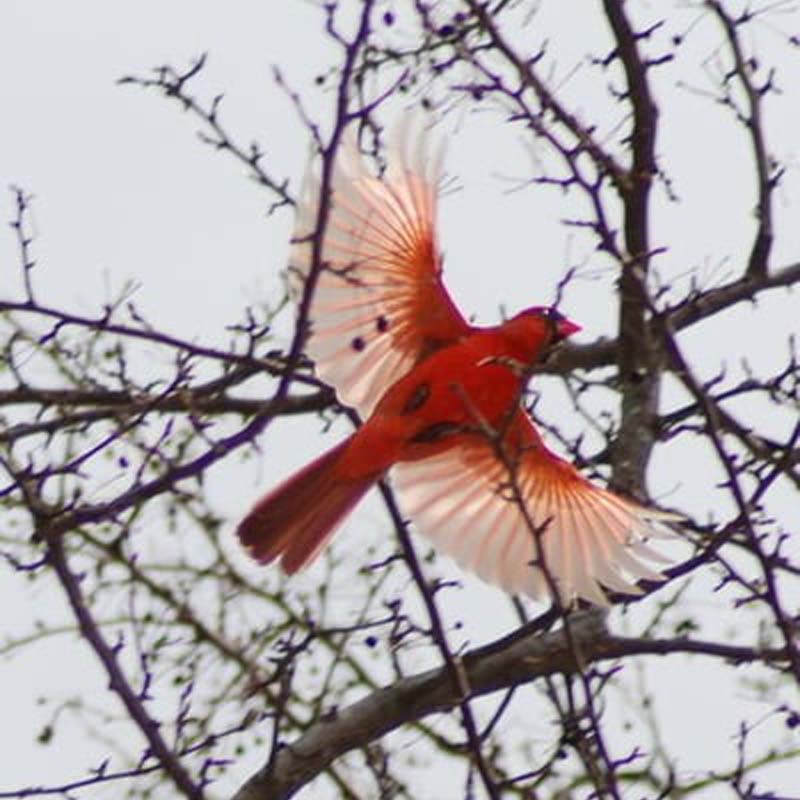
(123, 190)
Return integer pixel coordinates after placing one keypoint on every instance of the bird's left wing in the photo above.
(379, 305)
(591, 539)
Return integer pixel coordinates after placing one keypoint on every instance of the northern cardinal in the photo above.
(441, 400)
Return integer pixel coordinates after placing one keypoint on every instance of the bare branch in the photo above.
(118, 682)
(500, 665)
(767, 172)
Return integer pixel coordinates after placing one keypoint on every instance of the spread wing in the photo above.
(379, 305)
(590, 538)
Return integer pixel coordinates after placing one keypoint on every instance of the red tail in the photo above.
(294, 521)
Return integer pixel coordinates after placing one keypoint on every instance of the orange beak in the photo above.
(566, 327)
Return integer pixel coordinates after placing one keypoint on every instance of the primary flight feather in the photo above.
(441, 400)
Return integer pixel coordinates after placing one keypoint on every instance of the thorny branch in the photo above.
(638, 360)
(768, 173)
(174, 84)
(133, 701)
(512, 661)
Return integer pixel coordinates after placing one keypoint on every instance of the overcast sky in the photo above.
(124, 191)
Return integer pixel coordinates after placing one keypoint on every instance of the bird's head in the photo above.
(555, 323)
(540, 327)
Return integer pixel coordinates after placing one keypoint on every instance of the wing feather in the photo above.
(593, 540)
(379, 305)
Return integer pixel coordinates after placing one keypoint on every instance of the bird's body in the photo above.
(442, 406)
(470, 388)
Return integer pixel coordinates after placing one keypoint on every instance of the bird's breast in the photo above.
(469, 389)
(463, 386)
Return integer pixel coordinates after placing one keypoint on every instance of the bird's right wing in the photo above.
(591, 539)
(379, 305)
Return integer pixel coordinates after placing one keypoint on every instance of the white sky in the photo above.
(124, 191)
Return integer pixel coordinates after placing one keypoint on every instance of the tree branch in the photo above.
(118, 683)
(637, 356)
(767, 176)
(510, 661)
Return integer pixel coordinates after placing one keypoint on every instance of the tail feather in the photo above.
(295, 520)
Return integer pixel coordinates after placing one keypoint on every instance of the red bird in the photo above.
(442, 406)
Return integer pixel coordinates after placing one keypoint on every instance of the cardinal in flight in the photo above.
(441, 401)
